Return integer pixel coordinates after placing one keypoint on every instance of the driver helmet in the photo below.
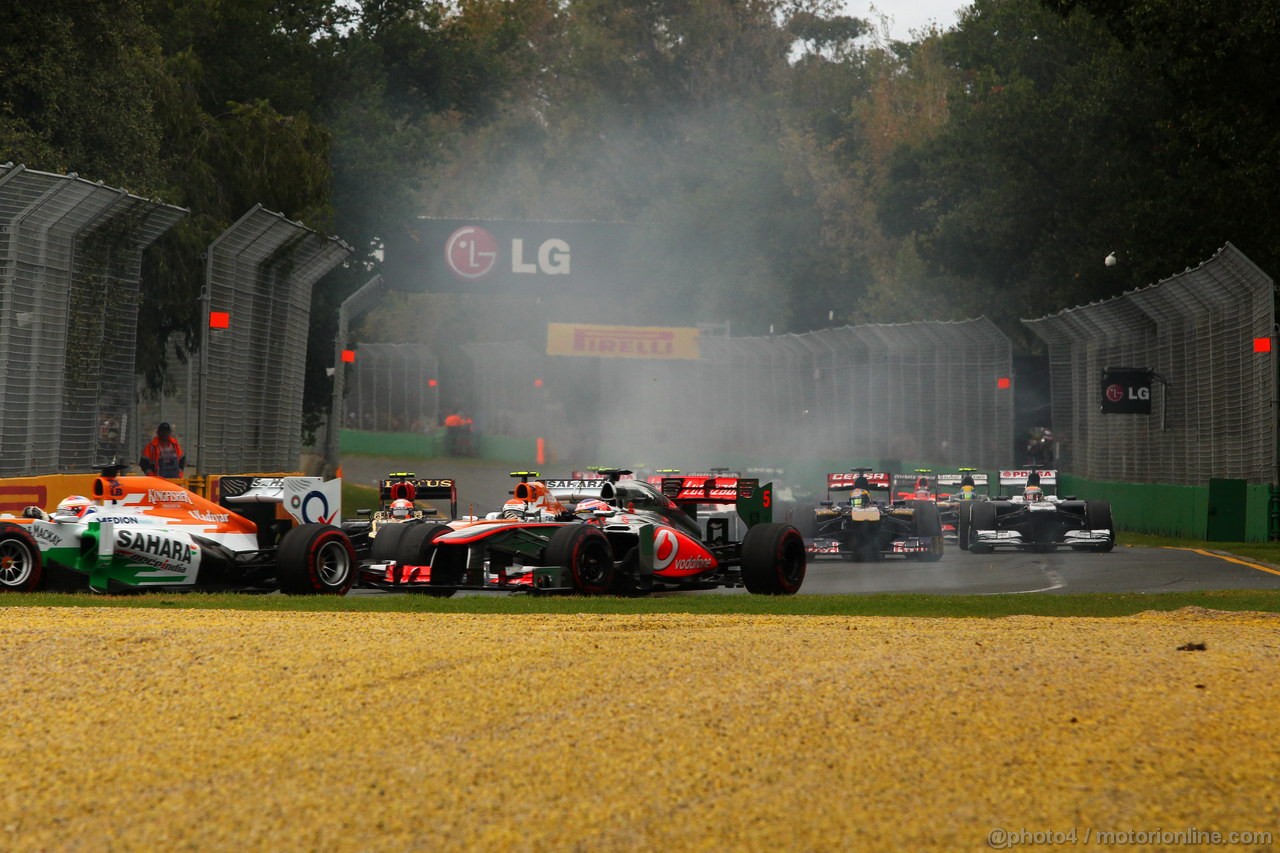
(590, 507)
(75, 505)
(859, 497)
(401, 508)
(1033, 494)
(967, 493)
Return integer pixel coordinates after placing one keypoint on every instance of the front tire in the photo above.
(585, 552)
(773, 560)
(316, 559)
(981, 517)
(21, 568)
(964, 512)
(1098, 516)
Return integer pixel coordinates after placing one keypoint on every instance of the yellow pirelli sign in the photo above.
(622, 341)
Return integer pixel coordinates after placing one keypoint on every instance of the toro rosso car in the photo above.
(1036, 519)
(146, 533)
(609, 535)
(864, 528)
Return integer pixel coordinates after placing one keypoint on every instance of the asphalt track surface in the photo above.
(483, 486)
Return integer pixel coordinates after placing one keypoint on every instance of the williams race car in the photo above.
(866, 529)
(146, 533)
(962, 486)
(609, 535)
(1035, 519)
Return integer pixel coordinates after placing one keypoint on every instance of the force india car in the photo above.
(608, 535)
(866, 529)
(148, 533)
(1036, 519)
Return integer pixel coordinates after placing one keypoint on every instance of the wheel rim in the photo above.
(594, 565)
(333, 564)
(791, 566)
(16, 563)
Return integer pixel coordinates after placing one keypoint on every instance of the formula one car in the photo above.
(146, 533)
(377, 534)
(610, 535)
(1037, 520)
(867, 529)
(962, 486)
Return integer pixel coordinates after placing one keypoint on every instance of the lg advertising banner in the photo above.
(1126, 391)
(505, 256)
(622, 341)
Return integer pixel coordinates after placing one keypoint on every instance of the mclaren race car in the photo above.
(864, 528)
(607, 535)
(147, 533)
(1036, 519)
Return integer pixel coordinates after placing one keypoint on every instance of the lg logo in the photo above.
(472, 253)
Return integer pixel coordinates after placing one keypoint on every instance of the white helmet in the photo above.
(1033, 494)
(401, 508)
(73, 505)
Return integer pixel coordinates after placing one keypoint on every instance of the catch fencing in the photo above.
(391, 391)
(1212, 413)
(70, 268)
(258, 278)
(915, 391)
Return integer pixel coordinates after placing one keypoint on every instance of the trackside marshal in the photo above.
(622, 341)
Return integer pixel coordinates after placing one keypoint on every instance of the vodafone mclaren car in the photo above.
(863, 528)
(146, 533)
(608, 535)
(1036, 519)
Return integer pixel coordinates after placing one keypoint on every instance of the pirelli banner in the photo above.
(622, 341)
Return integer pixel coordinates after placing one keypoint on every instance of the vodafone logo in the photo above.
(471, 252)
(1115, 393)
(665, 547)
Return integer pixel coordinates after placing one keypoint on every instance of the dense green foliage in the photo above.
(788, 165)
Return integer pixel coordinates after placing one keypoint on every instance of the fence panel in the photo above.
(70, 268)
(1213, 408)
(260, 272)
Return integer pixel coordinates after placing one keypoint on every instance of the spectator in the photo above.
(163, 456)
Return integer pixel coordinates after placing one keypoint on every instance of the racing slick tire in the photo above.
(21, 568)
(386, 545)
(585, 552)
(981, 517)
(964, 512)
(316, 559)
(417, 548)
(928, 522)
(773, 559)
(1097, 515)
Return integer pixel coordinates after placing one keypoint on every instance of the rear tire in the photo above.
(315, 559)
(773, 559)
(964, 511)
(21, 567)
(928, 521)
(585, 552)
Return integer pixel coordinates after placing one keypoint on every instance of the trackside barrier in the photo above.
(1169, 510)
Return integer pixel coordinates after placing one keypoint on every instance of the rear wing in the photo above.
(753, 501)
(843, 482)
(308, 500)
(575, 489)
(950, 483)
(1018, 478)
(412, 488)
